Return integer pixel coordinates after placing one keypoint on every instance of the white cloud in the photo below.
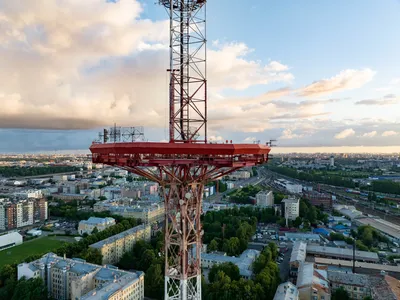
(370, 134)
(395, 81)
(345, 134)
(250, 139)
(214, 138)
(83, 64)
(287, 134)
(345, 80)
(389, 133)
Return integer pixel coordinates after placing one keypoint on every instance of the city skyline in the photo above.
(312, 75)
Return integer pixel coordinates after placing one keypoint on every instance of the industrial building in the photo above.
(290, 187)
(349, 212)
(114, 247)
(297, 257)
(76, 279)
(333, 221)
(341, 253)
(312, 282)
(265, 198)
(319, 199)
(10, 240)
(244, 261)
(291, 208)
(286, 291)
(388, 229)
(356, 285)
(299, 236)
(87, 226)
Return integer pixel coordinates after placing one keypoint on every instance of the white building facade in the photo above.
(265, 198)
(292, 207)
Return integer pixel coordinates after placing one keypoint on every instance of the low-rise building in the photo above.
(319, 199)
(387, 289)
(356, 285)
(312, 282)
(300, 236)
(244, 261)
(87, 226)
(297, 257)
(114, 247)
(341, 253)
(265, 198)
(286, 291)
(76, 279)
(10, 240)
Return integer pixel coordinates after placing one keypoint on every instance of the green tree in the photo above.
(228, 268)
(212, 246)
(340, 294)
(232, 246)
(95, 230)
(33, 289)
(147, 259)
(297, 222)
(93, 256)
(154, 282)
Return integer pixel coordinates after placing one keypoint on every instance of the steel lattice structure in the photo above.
(188, 84)
(183, 166)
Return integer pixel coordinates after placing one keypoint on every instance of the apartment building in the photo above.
(146, 211)
(87, 226)
(114, 247)
(76, 279)
(19, 213)
(265, 198)
(291, 208)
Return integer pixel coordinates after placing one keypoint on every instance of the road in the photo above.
(217, 197)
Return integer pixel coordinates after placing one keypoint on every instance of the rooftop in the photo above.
(118, 236)
(342, 253)
(301, 235)
(244, 261)
(95, 221)
(388, 228)
(309, 275)
(363, 265)
(299, 252)
(113, 279)
(348, 278)
(286, 291)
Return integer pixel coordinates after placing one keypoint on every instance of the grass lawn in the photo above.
(37, 246)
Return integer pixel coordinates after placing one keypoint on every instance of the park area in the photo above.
(37, 246)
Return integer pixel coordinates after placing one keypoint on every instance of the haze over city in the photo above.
(309, 74)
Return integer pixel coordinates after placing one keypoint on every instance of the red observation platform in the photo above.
(151, 154)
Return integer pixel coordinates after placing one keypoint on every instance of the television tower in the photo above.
(184, 165)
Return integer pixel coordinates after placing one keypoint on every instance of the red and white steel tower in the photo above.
(184, 165)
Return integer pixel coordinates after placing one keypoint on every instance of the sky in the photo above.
(311, 74)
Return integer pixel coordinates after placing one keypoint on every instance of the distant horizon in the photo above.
(275, 150)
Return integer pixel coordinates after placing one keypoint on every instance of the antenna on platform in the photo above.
(271, 143)
(132, 134)
(188, 83)
(115, 134)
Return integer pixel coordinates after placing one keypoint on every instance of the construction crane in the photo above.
(187, 162)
